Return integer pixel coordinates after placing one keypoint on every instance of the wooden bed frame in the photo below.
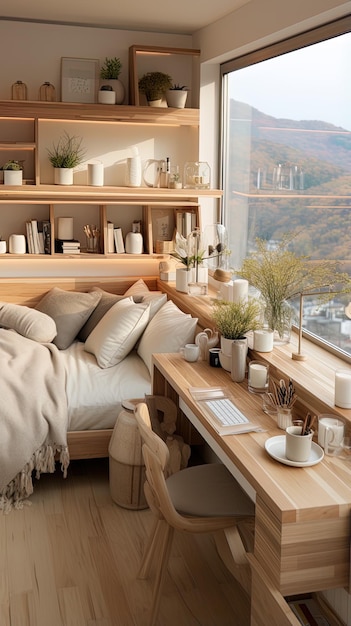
(86, 444)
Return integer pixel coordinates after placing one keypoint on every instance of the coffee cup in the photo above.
(297, 446)
(331, 431)
(213, 357)
(190, 352)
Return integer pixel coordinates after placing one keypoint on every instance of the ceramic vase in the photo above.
(63, 176)
(183, 278)
(13, 177)
(176, 98)
(239, 354)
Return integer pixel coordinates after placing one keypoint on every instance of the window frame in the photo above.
(301, 40)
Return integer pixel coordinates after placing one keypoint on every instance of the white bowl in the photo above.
(225, 361)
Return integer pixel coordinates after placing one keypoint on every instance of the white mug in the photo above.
(190, 352)
(330, 433)
(297, 446)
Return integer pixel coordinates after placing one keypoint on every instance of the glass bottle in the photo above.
(19, 90)
(47, 92)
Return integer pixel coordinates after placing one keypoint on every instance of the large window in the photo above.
(287, 157)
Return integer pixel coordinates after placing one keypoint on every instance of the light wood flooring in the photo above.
(71, 559)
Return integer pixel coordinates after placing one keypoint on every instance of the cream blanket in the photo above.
(33, 415)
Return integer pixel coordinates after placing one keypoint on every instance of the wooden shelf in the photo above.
(51, 194)
(71, 111)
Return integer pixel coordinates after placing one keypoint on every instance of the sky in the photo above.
(317, 80)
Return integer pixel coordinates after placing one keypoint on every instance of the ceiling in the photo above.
(180, 16)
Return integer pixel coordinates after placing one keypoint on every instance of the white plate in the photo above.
(275, 447)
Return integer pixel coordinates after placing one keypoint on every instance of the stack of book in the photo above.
(71, 246)
(38, 236)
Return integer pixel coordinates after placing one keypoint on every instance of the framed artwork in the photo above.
(79, 80)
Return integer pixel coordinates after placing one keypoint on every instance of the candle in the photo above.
(343, 389)
(257, 376)
(65, 228)
(263, 340)
(239, 290)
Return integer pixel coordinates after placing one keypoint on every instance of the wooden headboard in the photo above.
(29, 291)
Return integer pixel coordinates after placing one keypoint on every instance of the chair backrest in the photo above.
(156, 455)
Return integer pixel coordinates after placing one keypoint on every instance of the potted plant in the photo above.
(109, 74)
(280, 275)
(154, 85)
(234, 320)
(190, 260)
(66, 154)
(13, 172)
(176, 96)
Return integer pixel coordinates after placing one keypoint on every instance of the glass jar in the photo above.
(19, 90)
(197, 175)
(47, 92)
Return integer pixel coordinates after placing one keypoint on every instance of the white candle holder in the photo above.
(343, 388)
(258, 377)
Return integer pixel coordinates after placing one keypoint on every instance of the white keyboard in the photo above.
(226, 412)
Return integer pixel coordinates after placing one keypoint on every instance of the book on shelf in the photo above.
(71, 246)
(38, 236)
(118, 237)
(110, 242)
(185, 222)
(46, 227)
(35, 234)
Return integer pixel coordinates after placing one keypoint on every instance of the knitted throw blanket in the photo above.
(33, 415)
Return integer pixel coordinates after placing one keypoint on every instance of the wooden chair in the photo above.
(198, 499)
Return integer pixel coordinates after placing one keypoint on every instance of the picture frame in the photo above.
(79, 79)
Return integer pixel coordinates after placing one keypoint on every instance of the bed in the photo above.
(107, 357)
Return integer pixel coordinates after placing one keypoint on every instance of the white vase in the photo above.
(239, 354)
(63, 176)
(13, 177)
(106, 97)
(183, 278)
(176, 98)
(117, 87)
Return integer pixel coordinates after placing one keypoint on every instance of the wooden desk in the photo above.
(302, 526)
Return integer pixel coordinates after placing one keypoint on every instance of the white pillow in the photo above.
(139, 288)
(168, 331)
(156, 299)
(28, 322)
(117, 332)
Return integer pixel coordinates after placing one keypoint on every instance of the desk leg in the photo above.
(267, 604)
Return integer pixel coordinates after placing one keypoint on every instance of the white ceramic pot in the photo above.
(17, 244)
(3, 246)
(176, 98)
(183, 278)
(13, 177)
(63, 176)
(96, 174)
(106, 97)
(117, 87)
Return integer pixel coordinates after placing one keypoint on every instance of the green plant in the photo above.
(13, 165)
(67, 152)
(280, 275)
(111, 69)
(155, 84)
(177, 87)
(235, 319)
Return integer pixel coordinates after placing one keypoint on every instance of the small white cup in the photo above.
(331, 431)
(190, 352)
(297, 446)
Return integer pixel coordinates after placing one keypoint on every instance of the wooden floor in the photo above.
(71, 559)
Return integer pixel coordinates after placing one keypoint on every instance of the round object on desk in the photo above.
(126, 464)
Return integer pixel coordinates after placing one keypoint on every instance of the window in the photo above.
(286, 158)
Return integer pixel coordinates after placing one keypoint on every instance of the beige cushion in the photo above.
(207, 490)
(138, 288)
(27, 322)
(107, 300)
(117, 332)
(70, 310)
(168, 331)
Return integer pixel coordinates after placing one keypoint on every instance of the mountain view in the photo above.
(300, 179)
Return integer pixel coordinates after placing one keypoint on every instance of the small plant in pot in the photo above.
(13, 172)
(234, 320)
(176, 96)
(66, 154)
(109, 74)
(155, 85)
